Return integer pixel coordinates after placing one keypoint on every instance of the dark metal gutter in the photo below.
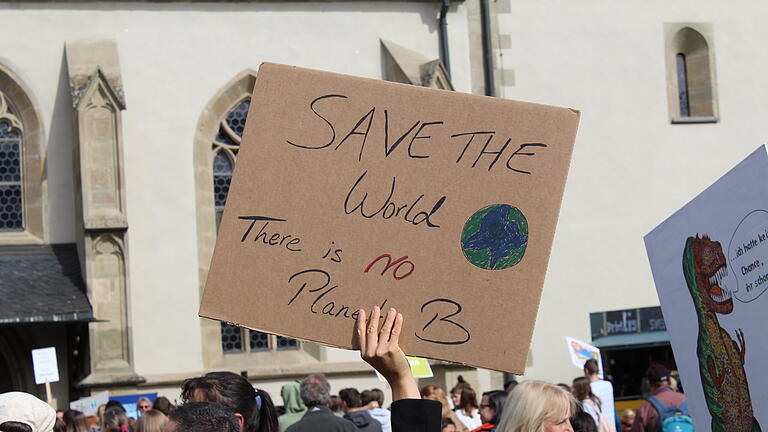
(485, 26)
(443, 30)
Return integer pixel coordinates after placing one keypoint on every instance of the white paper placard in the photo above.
(45, 365)
(581, 352)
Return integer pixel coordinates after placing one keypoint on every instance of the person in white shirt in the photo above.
(465, 404)
(601, 388)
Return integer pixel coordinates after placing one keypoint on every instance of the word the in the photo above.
(389, 209)
(497, 153)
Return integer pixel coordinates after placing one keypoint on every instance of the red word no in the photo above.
(397, 264)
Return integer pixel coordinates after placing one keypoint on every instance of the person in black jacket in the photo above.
(352, 405)
(381, 349)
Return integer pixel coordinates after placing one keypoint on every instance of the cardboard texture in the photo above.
(710, 266)
(351, 192)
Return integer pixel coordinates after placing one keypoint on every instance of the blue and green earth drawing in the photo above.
(495, 237)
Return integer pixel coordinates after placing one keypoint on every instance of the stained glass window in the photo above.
(11, 203)
(225, 147)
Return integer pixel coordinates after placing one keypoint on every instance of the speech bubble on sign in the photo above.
(748, 256)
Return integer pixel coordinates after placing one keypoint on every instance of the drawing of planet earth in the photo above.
(495, 237)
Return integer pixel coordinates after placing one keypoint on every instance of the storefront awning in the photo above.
(42, 284)
(632, 340)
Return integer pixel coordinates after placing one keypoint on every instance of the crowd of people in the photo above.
(227, 402)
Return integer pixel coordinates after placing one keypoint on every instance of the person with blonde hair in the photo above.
(537, 406)
(151, 421)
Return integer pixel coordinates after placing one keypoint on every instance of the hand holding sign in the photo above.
(381, 349)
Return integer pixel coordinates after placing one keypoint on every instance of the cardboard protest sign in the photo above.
(710, 266)
(45, 365)
(581, 351)
(351, 192)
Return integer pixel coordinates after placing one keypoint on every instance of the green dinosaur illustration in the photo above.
(721, 359)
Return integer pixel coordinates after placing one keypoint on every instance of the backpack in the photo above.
(673, 418)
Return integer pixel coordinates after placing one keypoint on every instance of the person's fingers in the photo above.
(372, 336)
(397, 328)
(360, 332)
(386, 329)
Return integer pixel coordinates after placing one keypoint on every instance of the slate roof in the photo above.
(42, 283)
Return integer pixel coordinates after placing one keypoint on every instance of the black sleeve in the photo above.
(416, 415)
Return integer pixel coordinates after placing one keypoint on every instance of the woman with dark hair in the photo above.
(583, 422)
(75, 421)
(491, 407)
(590, 403)
(163, 405)
(253, 407)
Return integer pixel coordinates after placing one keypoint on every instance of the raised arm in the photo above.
(381, 349)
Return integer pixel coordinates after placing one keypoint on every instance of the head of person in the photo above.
(350, 398)
(252, 407)
(468, 401)
(22, 412)
(447, 425)
(537, 406)
(510, 385)
(492, 405)
(151, 421)
(115, 420)
(458, 389)
(292, 402)
(658, 376)
(582, 390)
(315, 390)
(334, 403)
(591, 368)
(565, 387)
(202, 417)
(373, 395)
(627, 418)
(113, 404)
(582, 421)
(143, 404)
(437, 394)
(163, 405)
(76, 421)
(59, 426)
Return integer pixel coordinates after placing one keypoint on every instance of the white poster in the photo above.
(90, 405)
(710, 267)
(45, 365)
(581, 352)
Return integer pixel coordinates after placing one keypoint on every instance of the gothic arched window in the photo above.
(225, 148)
(691, 74)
